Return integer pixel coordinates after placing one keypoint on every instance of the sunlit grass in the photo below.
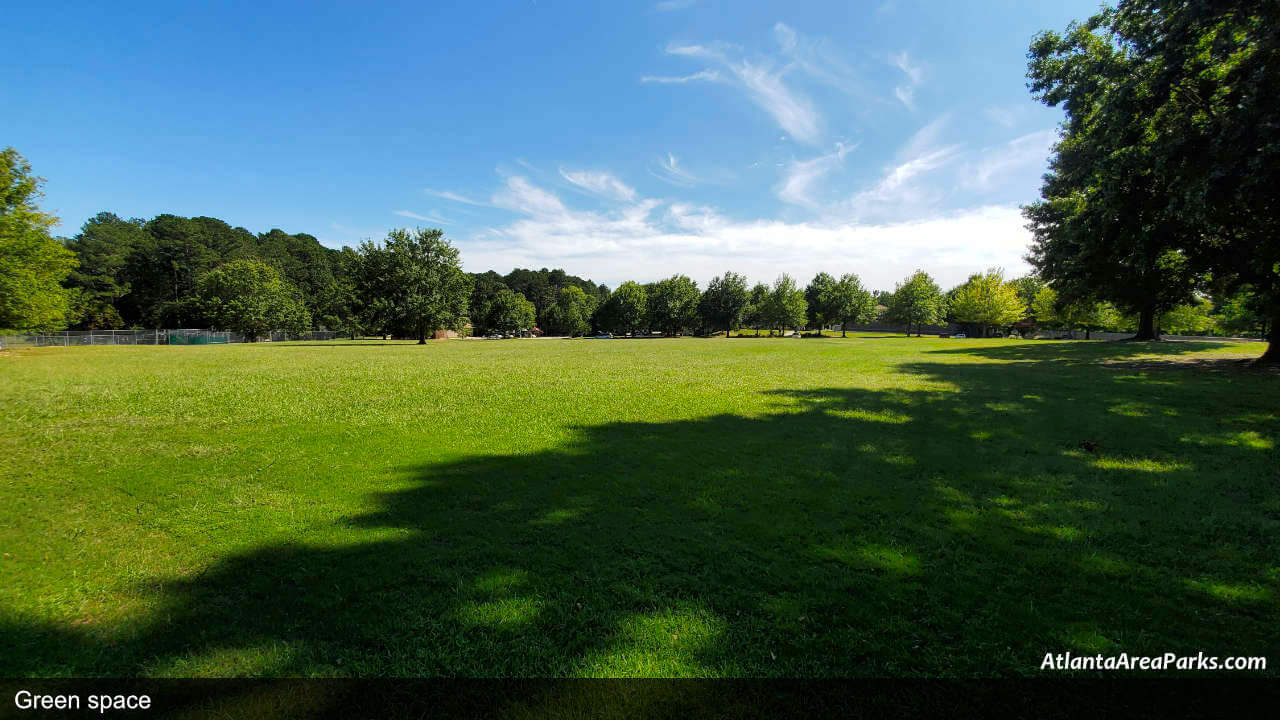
(863, 506)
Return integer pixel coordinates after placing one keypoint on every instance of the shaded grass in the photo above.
(672, 507)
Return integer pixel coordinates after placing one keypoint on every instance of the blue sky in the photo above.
(618, 141)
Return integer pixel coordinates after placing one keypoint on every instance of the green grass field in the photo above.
(869, 506)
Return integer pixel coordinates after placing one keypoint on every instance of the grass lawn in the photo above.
(868, 506)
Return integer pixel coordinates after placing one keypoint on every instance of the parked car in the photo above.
(961, 336)
(602, 336)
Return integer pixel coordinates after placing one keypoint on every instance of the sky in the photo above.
(619, 141)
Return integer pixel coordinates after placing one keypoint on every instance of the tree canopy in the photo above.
(672, 305)
(510, 312)
(571, 313)
(786, 307)
(850, 303)
(917, 301)
(422, 285)
(724, 302)
(624, 311)
(987, 302)
(250, 297)
(1164, 179)
(32, 264)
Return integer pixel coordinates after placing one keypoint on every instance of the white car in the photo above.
(960, 336)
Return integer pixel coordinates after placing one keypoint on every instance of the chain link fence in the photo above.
(178, 336)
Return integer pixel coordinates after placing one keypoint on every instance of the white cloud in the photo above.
(818, 58)
(523, 197)
(669, 170)
(445, 194)
(915, 74)
(903, 62)
(901, 191)
(600, 183)
(707, 75)
(802, 175)
(1020, 154)
(906, 96)
(764, 85)
(692, 51)
(649, 239)
(432, 217)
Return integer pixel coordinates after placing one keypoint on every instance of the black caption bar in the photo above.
(459, 698)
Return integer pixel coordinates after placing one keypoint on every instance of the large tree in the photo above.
(786, 307)
(1212, 132)
(510, 312)
(32, 264)
(756, 314)
(1104, 226)
(339, 305)
(624, 311)
(422, 287)
(724, 302)
(850, 303)
(819, 301)
(673, 305)
(571, 313)
(987, 302)
(250, 297)
(103, 247)
(916, 302)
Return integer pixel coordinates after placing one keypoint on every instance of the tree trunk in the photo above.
(1086, 334)
(422, 335)
(1147, 324)
(1272, 355)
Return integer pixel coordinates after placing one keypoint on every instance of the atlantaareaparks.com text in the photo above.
(1167, 661)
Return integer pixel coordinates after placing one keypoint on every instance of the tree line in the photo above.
(173, 271)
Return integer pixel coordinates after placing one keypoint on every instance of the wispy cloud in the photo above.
(522, 196)
(900, 192)
(818, 58)
(793, 112)
(705, 75)
(915, 74)
(803, 175)
(452, 196)
(431, 218)
(669, 170)
(763, 83)
(1020, 154)
(600, 183)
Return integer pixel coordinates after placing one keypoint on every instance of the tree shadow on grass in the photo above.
(999, 513)
(1085, 351)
